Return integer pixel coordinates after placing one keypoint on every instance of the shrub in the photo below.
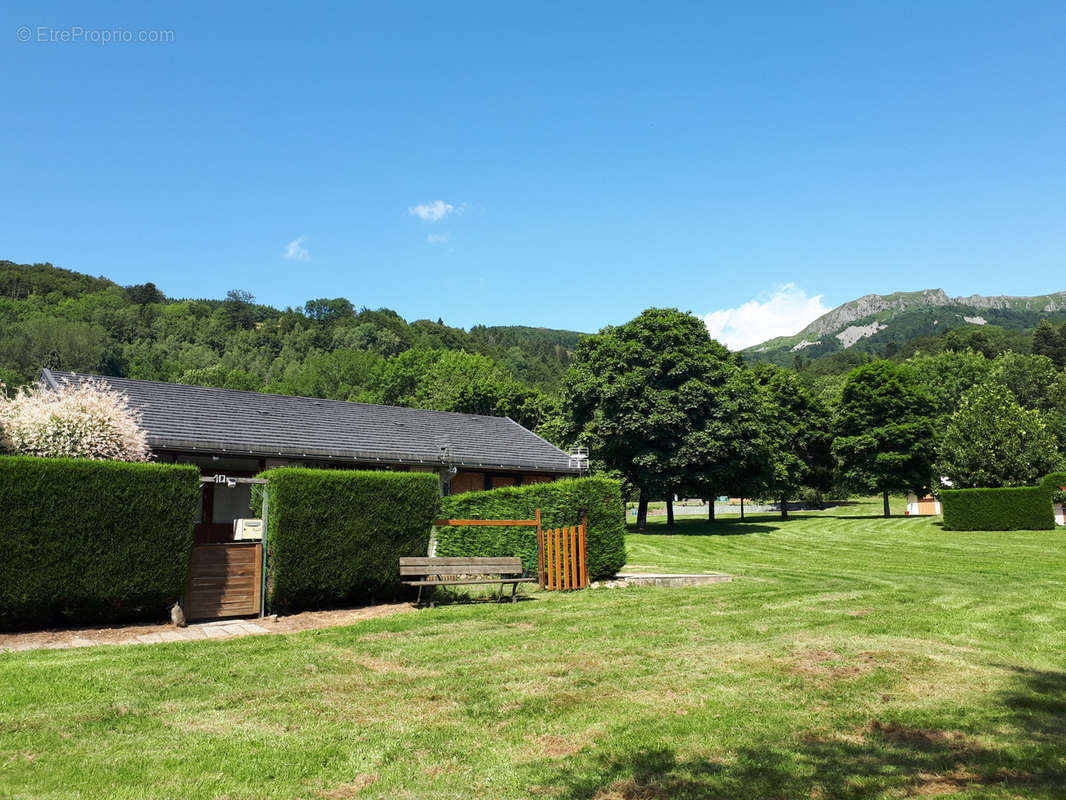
(560, 503)
(335, 536)
(1007, 509)
(92, 541)
(87, 420)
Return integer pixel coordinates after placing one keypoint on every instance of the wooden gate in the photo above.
(225, 580)
(562, 557)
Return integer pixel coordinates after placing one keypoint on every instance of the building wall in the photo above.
(472, 481)
(223, 505)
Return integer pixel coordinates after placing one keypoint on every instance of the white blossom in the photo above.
(87, 420)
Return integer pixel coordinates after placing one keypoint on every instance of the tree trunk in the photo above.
(887, 512)
(710, 510)
(642, 511)
(784, 508)
(669, 511)
(742, 508)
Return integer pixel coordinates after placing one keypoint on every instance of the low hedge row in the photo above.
(560, 503)
(1027, 508)
(335, 536)
(92, 541)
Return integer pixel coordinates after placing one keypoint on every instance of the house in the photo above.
(240, 434)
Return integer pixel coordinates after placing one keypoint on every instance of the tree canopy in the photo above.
(885, 439)
(993, 441)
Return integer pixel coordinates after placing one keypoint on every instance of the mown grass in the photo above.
(853, 657)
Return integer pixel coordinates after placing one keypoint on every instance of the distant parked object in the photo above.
(1060, 515)
(922, 506)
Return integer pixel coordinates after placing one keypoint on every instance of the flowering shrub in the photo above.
(88, 420)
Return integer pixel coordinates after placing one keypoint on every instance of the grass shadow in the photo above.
(707, 528)
(872, 516)
(1021, 755)
(453, 596)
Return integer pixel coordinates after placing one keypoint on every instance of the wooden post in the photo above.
(548, 558)
(573, 557)
(565, 563)
(559, 565)
(540, 553)
(263, 559)
(584, 552)
(565, 584)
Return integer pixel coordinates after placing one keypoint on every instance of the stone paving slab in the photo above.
(624, 579)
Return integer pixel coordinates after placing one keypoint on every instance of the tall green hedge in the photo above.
(560, 503)
(92, 541)
(1026, 508)
(335, 536)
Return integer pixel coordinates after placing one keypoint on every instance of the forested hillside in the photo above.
(658, 402)
(888, 325)
(326, 348)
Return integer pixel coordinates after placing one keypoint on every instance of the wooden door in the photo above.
(225, 580)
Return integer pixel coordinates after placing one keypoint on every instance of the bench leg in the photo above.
(514, 589)
(500, 598)
(418, 602)
(429, 593)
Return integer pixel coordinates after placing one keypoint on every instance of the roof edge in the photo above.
(49, 379)
(207, 448)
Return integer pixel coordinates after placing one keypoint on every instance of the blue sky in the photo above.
(541, 164)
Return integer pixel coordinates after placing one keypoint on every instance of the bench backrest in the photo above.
(422, 565)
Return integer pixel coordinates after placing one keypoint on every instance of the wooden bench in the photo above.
(429, 573)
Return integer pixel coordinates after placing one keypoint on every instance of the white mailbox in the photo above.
(247, 530)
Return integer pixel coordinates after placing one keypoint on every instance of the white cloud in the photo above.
(783, 311)
(433, 212)
(438, 238)
(295, 251)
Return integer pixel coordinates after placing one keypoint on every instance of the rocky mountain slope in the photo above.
(874, 321)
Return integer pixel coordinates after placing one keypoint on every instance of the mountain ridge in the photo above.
(875, 319)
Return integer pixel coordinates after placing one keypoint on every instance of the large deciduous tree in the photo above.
(797, 433)
(992, 441)
(640, 394)
(885, 439)
(728, 449)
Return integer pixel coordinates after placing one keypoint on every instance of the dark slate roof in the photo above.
(203, 419)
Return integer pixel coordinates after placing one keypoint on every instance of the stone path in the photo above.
(225, 629)
(207, 630)
(63, 638)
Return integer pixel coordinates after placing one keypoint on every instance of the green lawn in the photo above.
(853, 657)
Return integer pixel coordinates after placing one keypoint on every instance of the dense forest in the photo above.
(52, 317)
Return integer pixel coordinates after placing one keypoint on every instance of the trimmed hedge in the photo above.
(560, 503)
(92, 541)
(335, 536)
(1025, 508)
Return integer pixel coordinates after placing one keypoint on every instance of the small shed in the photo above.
(922, 506)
